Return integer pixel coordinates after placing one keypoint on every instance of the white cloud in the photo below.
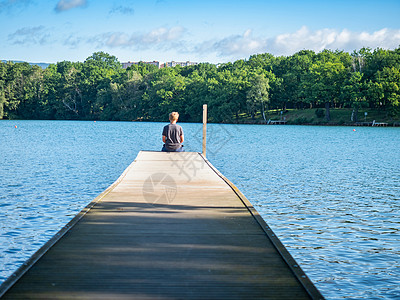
(29, 35)
(156, 38)
(240, 46)
(64, 5)
(333, 39)
(177, 42)
(124, 10)
(73, 41)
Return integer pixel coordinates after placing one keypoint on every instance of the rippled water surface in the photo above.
(330, 193)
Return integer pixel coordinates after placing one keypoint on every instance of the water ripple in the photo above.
(332, 199)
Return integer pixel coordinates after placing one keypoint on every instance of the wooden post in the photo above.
(204, 128)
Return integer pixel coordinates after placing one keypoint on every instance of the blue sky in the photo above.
(201, 31)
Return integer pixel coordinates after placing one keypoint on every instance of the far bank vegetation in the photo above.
(307, 87)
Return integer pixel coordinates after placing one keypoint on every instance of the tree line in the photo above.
(100, 89)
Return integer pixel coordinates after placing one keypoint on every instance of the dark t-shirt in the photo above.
(172, 133)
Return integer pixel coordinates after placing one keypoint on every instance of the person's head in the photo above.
(173, 117)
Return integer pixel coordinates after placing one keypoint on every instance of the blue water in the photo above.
(330, 193)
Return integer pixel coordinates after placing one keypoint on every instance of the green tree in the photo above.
(165, 92)
(195, 95)
(353, 93)
(227, 94)
(17, 88)
(293, 71)
(69, 98)
(98, 71)
(384, 90)
(324, 83)
(257, 95)
(100, 89)
(51, 93)
(3, 74)
(104, 61)
(142, 68)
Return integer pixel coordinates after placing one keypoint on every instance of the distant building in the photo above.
(182, 64)
(154, 63)
(129, 63)
(160, 66)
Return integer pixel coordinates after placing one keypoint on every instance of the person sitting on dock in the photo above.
(172, 135)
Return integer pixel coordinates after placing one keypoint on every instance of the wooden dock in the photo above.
(171, 227)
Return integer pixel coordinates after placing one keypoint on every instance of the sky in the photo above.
(215, 31)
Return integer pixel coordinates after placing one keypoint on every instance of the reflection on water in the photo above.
(330, 193)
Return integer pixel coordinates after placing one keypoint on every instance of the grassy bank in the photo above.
(339, 116)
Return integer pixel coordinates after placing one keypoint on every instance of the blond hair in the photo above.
(173, 116)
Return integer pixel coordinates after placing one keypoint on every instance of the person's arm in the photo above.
(163, 139)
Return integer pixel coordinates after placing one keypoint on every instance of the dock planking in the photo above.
(171, 227)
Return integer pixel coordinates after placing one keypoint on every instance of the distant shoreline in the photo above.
(310, 116)
(393, 124)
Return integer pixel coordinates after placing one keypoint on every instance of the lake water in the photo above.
(331, 194)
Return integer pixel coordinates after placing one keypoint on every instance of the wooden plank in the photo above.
(172, 227)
